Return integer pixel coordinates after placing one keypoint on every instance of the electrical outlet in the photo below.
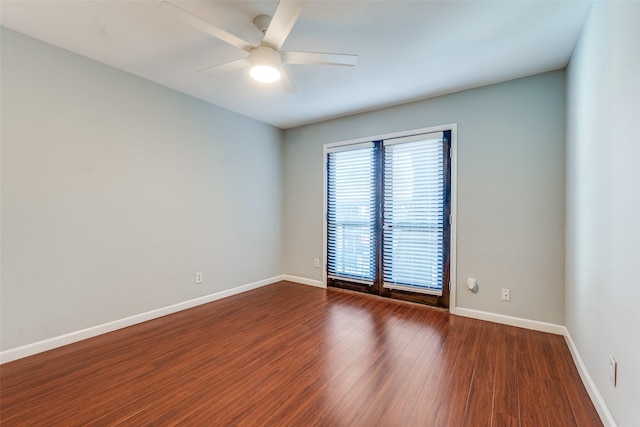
(199, 277)
(316, 263)
(613, 370)
(506, 295)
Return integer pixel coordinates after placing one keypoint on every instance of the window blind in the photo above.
(413, 214)
(351, 213)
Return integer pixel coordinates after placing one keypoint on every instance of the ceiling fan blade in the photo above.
(212, 30)
(286, 83)
(283, 20)
(223, 68)
(319, 58)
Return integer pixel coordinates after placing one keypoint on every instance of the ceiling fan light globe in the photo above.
(265, 73)
(265, 64)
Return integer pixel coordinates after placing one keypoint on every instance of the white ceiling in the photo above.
(408, 50)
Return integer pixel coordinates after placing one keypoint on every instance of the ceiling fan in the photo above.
(265, 60)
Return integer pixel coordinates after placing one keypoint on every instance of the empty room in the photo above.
(319, 213)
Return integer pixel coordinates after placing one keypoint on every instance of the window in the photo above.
(351, 214)
(388, 206)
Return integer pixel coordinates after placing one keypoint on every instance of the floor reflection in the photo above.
(373, 347)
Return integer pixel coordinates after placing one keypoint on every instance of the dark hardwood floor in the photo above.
(294, 355)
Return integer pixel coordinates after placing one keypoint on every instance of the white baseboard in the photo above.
(589, 384)
(59, 341)
(509, 320)
(304, 281)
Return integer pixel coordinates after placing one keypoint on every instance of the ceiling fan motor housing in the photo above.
(265, 55)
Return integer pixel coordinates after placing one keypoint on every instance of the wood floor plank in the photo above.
(432, 376)
(427, 347)
(506, 409)
(375, 390)
(480, 403)
(294, 355)
(453, 404)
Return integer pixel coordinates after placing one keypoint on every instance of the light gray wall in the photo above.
(603, 203)
(510, 189)
(115, 191)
